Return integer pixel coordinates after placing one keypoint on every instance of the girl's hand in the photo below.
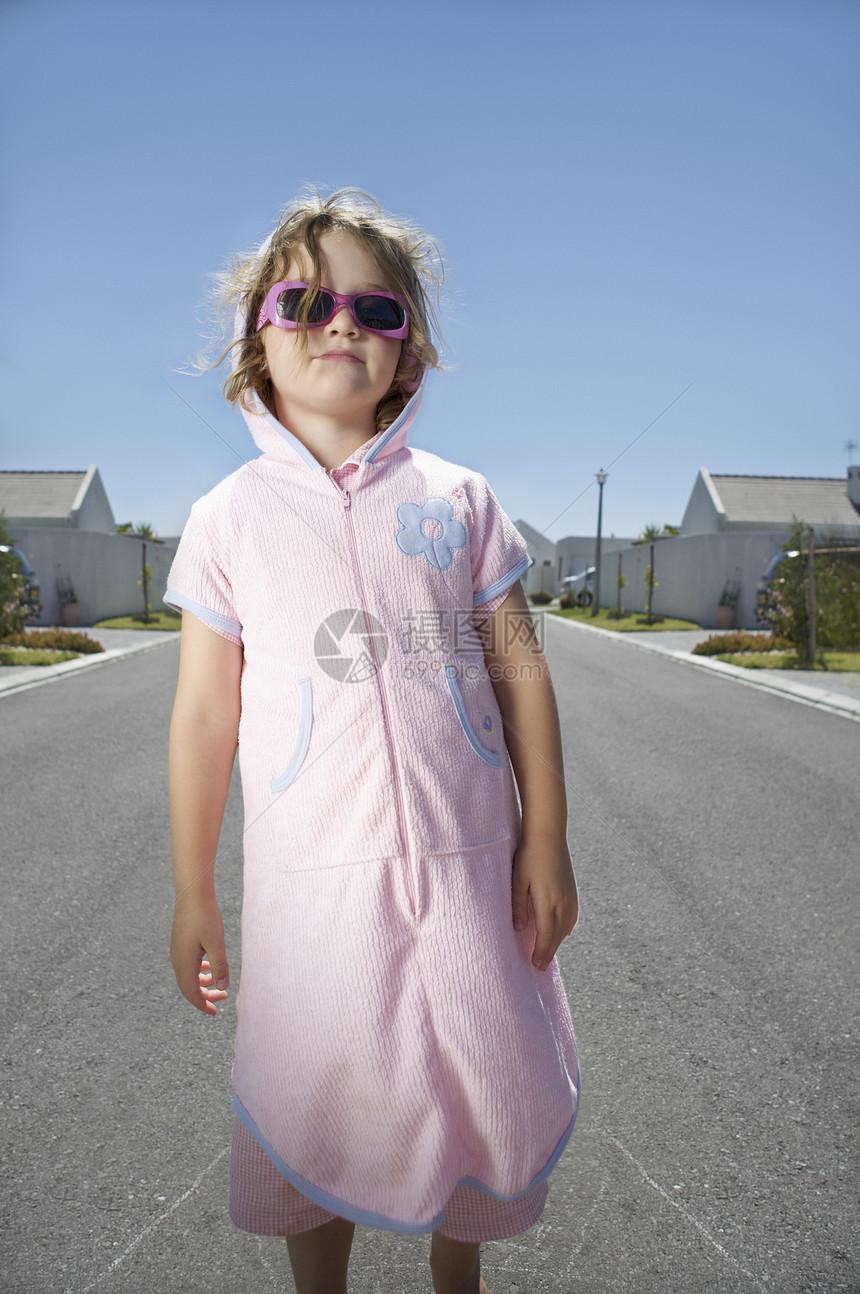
(543, 873)
(198, 953)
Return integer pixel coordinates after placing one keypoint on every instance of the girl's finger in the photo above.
(218, 969)
(205, 990)
(519, 902)
(548, 938)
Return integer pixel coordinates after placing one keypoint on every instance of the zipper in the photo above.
(411, 881)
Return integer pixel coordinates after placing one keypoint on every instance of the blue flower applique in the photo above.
(432, 529)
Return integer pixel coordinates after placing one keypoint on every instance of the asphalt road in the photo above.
(713, 980)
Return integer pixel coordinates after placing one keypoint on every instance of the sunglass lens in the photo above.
(379, 313)
(322, 308)
(291, 302)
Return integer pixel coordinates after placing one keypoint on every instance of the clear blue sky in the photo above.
(673, 184)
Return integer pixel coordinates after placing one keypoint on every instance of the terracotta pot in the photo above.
(725, 617)
(70, 614)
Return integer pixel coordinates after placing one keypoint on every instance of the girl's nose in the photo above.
(342, 322)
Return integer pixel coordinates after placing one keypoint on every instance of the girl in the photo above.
(353, 618)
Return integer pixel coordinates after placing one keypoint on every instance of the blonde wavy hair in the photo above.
(410, 262)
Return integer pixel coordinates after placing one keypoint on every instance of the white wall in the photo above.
(553, 562)
(691, 572)
(577, 553)
(104, 570)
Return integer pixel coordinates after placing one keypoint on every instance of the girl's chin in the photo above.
(352, 414)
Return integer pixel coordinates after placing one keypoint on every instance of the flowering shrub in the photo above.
(56, 639)
(738, 641)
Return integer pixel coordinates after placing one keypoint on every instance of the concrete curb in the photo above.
(822, 698)
(51, 673)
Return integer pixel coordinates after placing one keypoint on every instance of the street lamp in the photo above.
(601, 481)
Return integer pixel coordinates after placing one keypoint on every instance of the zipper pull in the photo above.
(346, 498)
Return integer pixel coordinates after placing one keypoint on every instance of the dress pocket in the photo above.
(489, 756)
(291, 772)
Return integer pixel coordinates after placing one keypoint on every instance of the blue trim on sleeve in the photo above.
(505, 582)
(180, 602)
(291, 771)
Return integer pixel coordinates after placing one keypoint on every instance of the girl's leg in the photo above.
(455, 1266)
(319, 1258)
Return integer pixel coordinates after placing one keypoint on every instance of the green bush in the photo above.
(10, 580)
(738, 641)
(837, 601)
(837, 595)
(541, 598)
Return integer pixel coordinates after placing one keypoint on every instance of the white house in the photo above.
(72, 500)
(64, 523)
(720, 504)
(732, 527)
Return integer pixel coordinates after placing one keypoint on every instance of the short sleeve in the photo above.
(198, 580)
(499, 553)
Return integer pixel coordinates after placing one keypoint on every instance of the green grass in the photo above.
(832, 662)
(34, 656)
(634, 622)
(158, 620)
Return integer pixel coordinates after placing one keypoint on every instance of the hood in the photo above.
(276, 441)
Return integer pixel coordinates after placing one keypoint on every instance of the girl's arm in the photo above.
(203, 736)
(542, 870)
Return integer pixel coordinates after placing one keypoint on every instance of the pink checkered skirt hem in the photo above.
(265, 1203)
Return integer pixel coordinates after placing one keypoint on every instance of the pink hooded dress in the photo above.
(393, 1038)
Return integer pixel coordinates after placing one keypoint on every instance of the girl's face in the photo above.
(345, 370)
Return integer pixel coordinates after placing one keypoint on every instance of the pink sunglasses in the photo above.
(382, 312)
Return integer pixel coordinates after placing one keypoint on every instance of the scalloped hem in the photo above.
(264, 1203)
(249, 1204)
